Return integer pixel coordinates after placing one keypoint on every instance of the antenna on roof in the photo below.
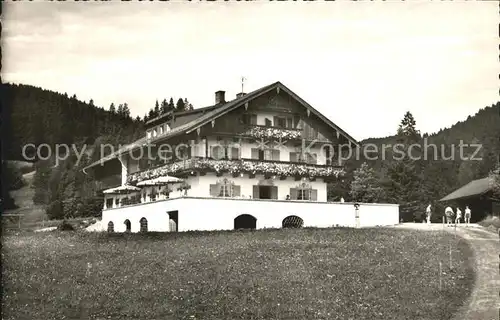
(242, 83)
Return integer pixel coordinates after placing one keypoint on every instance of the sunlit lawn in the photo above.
(270, 274)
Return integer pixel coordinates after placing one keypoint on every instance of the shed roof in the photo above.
(473, 188)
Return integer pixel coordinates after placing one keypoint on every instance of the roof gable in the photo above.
(278, 86)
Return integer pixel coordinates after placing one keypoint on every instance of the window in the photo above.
(161, 129)
(167, 128)
(271, 154)
(268, 123)
(280, 122)
(154, 132)
(224, 188)
(148, 134)
(109, 203)
(248, 118)
(304, 192)
(224, 191)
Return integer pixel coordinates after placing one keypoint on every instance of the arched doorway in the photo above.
(245, 221)
(292, 222)
(111, 226)
(128, 225)
(144, 224)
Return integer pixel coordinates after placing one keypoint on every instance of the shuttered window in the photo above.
(303, 194)
(234, 153)
(225, 190)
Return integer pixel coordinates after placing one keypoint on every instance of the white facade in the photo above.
(197, 213)
(229, 171)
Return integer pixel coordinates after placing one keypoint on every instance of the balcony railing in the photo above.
(250, 166)
(268, 132)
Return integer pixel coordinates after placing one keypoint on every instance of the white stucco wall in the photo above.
(219, 214)
(200, 186)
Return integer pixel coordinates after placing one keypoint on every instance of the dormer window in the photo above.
(148, 134)
(167, 128)
(154, 132)
(161, 129)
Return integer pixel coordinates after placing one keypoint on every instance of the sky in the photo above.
(362, 64)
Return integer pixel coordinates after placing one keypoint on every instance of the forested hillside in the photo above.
(38, 116)
(441, 169)
(32, 115)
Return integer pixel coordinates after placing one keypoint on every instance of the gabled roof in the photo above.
(473, 188)
(216, 112)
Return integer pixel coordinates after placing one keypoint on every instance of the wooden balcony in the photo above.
(238, 166)
(268, 132)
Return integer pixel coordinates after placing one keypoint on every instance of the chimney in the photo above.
(239, 95)
(219, 97)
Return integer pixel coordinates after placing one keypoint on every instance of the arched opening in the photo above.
(245, 221)
(111, 226)
(144, 224)
(292, 222)
(128, 225)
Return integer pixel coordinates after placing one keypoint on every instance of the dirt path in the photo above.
(484, 303)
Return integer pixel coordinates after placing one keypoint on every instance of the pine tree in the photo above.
(126, 110)
(156, 111)
(171, 105)
(180, 106)
(366, 187)
(188, 105)
(112, 108)
(407, 129)
(403, 185)
(164, 106)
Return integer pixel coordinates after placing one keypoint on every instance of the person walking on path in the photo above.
(459, 216)
(448, 212)
(467, 215)
(428, 214)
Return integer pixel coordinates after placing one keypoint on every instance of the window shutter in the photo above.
(289, 122)
(235, 154)
(253, 119)
(276, 155)
(311, 158)
(293, 157)
(293, 194)
(255, 153)
(314, 195)
(268, 154)
(274, 192)
(236, 191)
(214, 190)
(276, 121)
(256, 192)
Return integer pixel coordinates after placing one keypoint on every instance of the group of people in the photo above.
(449, 214)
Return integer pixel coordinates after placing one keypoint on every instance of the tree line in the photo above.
(416, 181)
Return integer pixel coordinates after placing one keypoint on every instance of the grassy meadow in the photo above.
(268, 274)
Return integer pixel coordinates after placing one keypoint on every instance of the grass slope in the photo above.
(270, 274)
(23, 198)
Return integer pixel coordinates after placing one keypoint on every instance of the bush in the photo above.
(55, 210)
(490, 221)
(65, 226)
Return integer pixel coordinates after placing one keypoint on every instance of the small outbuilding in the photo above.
(478, 195)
